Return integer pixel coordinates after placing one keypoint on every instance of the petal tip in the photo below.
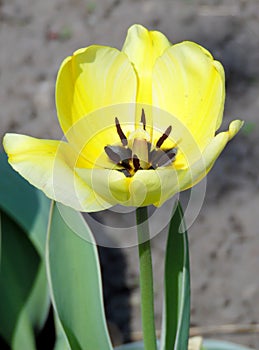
(234, 127)
(7, 141)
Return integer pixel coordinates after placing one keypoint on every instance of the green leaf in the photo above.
(61, 339)
(26, 210)
(222, 345)
(38, 303)
(19, 267)
(176, 317)
(23, 335)
(34, 313)
(26, 205)
(75, 280)
(36, 308)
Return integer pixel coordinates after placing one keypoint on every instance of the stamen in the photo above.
(118, 154)
(160, 158)
(125, 172)
(154, 157)
(112, 155)
(136, 163)
(164, 136)
(138, 153)
(121, 134)
(167, 158)
(143, 119)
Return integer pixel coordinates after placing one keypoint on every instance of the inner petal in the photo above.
(143, 47)
(189, 84)
(180, 139)
(91, 134)
(93, 77)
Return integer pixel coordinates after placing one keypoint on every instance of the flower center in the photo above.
(137, 152)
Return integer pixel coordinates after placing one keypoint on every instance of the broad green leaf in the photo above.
(222, 345)
(26, 205)
(38, 303)
(23, 336)
(61, 338)
(176, 316)
(34, 313)
(75, 281)
(19, 267)
(27, 210)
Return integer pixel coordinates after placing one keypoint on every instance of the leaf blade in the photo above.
(19, 267)
(75, 281)
(176, 313)
(26, 205)
(26, 210)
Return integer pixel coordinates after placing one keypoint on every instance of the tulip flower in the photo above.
(140, 124)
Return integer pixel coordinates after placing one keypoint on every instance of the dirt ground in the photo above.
(35, 36)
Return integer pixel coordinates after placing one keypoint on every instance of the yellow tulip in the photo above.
(139, 124)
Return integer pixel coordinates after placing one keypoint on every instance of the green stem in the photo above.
(146, 280)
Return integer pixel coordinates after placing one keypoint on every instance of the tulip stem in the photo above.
(146, 279)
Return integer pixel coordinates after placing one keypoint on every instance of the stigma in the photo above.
(137, 151)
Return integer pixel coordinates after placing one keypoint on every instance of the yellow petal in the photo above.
(180, 137)
(197, 171)
(91, 134)
(143, 47)
(93, 78)
(144, 188)
(111, 185)
(189, 84)
(48, 165)
(150, 186)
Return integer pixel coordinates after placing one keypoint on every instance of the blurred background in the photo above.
(35, 36)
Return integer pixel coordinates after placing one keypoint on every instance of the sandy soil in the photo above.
(35, 36)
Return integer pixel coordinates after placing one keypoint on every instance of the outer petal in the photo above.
(91, 134)
(143, 47)
(144, 188)
(93, 77)
(189, 84)
(112, 185)
(187, 178)
(48, 165)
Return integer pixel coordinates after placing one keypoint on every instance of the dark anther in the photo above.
(125, 172)
(128, 162)
(136, 163)
(121, 134)
(143, 119)
(160, 158)
(167, 158)
(155, 155)
(118, 155)
(164, 137)
(112, 155)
